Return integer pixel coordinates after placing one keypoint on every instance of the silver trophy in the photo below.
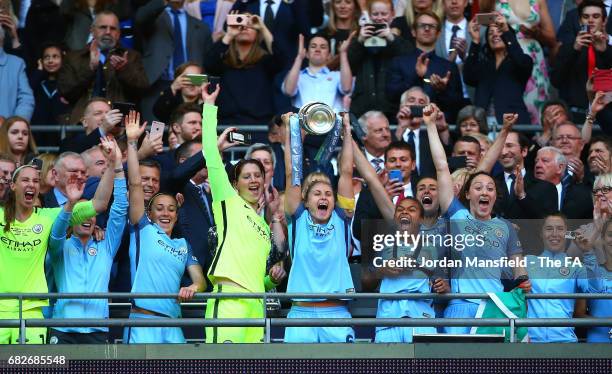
(317, 118)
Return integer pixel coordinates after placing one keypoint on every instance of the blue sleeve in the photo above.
(143, 222)
(591, 278)
(453, 208)
(58, 232)
(117, 217)
(513, 246)
(191, 259)
(25, 97)
(299, 211)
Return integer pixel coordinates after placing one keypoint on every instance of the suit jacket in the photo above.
(570, 72)
(157, 32)
(425, 166)
(81, 142)
(194, 221)
(76, 80)
(442, 51)
(539, 201)
(577, 202)
(505, 85)
(402, 76)
(290, 21)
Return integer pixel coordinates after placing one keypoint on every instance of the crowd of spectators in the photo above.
(406, 71)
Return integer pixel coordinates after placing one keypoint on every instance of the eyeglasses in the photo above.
(566, 137)
(602, 190)
(426, 26)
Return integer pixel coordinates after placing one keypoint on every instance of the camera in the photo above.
(416, 111)
(238, 20)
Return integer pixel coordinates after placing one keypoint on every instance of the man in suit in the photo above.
(195, 214)
(535, 203)
(571, 25)
(102, 69)
(409, 130)
(170, 37)
(567, 138)
(455, 40)
(375, 126)
(577, 59)
(398, 156)
(572, 199)
(439, 78)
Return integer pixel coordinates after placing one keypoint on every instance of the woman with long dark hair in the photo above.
(499, 70)
(17, 141)
(247, 61)
(244, 239)
(472, 213)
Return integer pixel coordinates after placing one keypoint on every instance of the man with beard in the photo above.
(103, 69)
(600, 156)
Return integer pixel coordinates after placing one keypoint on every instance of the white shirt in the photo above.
(508, 180)
(324, 86)
(407, 192)
(448, 33)
(416, 146)
(559, 190)
(263, 5)
(370, 158)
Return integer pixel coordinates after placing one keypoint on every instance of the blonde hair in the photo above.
(311, 179)
(331, 25)
(256, 53)
(410, 13)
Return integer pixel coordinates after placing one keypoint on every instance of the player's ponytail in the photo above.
(9, 210)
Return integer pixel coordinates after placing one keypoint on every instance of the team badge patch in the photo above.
(92, 251)
(564, 271)
(499, 233)
(37, 229)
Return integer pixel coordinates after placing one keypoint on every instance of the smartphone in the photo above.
(117, 51)
(37, 163)
(156, 128)
(375, 41)
(214, 81)
(238, 20)
(124, 108)
(237, 137)
(457, 162)
(197, 79)
(416, 111)
(377, 26)
(570, 235)
(486, 18)
(395, 175)
(584, 28)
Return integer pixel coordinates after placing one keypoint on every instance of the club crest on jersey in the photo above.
(37, 228)
(92, 251)
(564, 271)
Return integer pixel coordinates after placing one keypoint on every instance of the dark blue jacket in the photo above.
(503, 85)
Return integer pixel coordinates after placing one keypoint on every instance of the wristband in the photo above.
(118, 170)
(346, 203)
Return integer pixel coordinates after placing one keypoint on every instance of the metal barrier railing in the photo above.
(268, 322)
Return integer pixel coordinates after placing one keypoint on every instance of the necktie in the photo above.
(590, 61)
(377, 163)
(454, 29)
(411, 140)
(511, 192)
(205, 202)
(178, 57)
(269, 15)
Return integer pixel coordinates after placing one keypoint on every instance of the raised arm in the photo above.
(104, 191)
(118, 210)
(346, 76)
(345, 182)
(488, 161)
(445, 183)
(133, 131)
(74, 191)
(384, 203)
(291, 80)
(217, 176)
(293, 194)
